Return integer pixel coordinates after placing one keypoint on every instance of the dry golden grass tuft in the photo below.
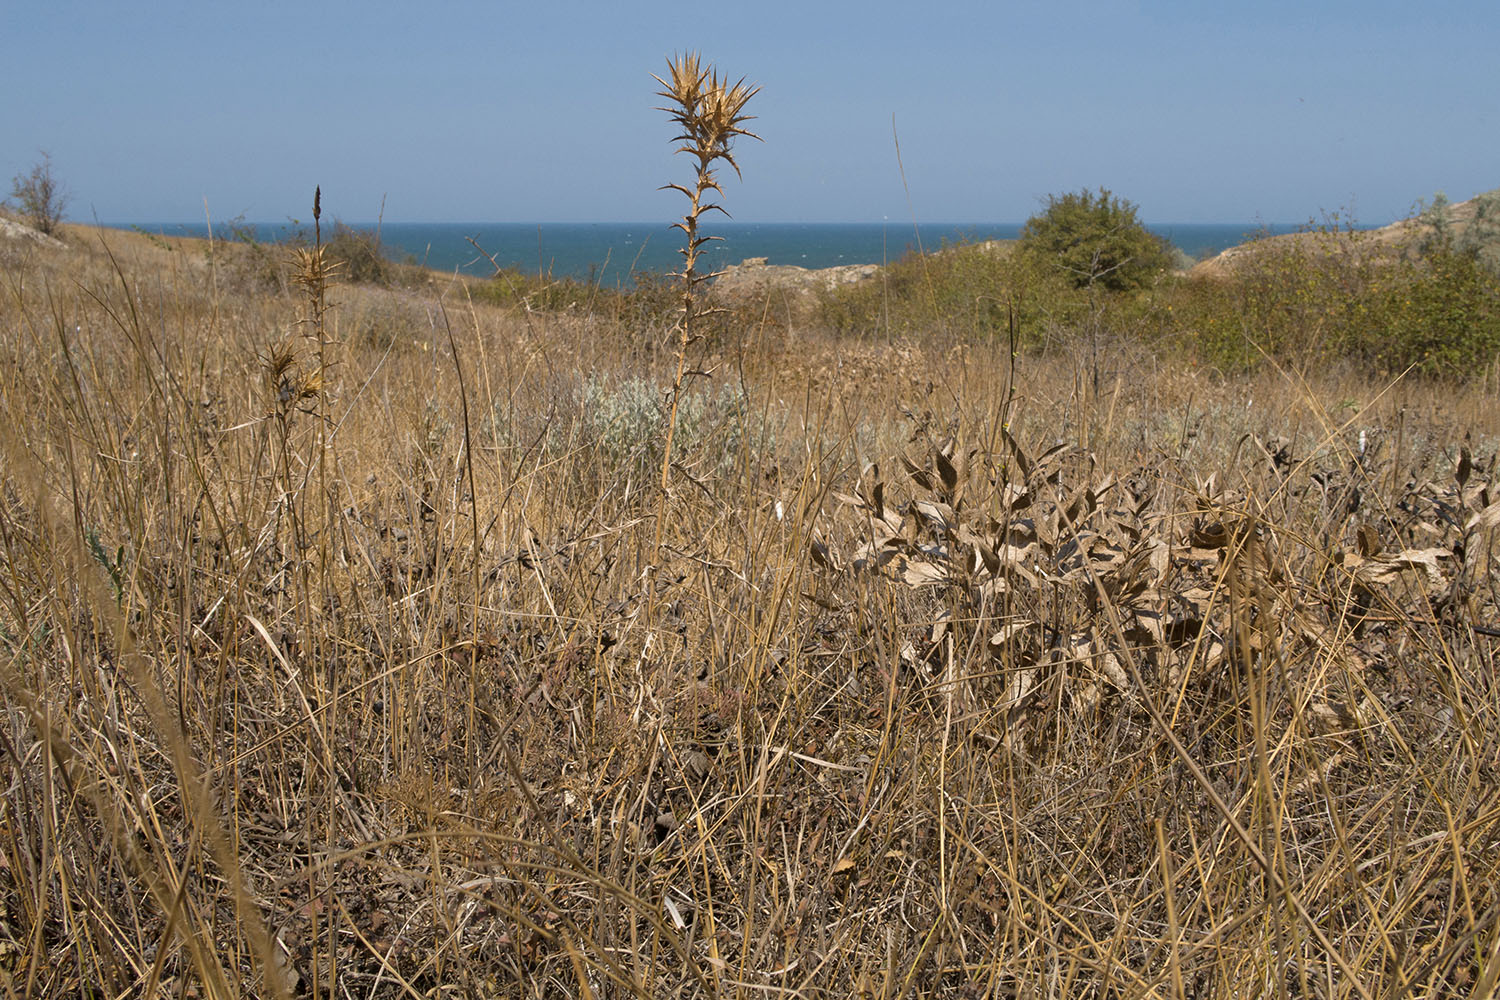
(337, 664)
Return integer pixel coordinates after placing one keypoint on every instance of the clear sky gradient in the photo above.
(1197, 111)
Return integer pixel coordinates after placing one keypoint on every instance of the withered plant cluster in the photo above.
(344, 653)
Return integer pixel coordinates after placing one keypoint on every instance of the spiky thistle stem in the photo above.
(709, 110)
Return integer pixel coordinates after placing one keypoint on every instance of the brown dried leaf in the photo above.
(1109, 666)
(1388, 569)
(1160, 560)
(917, 573)
(1209, 536)
(939, 515)
(1009, 631)
(917, 473)
(825, 557)
(1489, 517)
(946, 471)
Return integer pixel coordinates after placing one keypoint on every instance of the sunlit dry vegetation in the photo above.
(351, 647)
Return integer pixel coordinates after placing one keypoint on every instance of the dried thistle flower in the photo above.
(710, 111)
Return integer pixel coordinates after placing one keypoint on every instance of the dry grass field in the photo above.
(350, 647)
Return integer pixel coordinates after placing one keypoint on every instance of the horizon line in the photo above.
(376, 223)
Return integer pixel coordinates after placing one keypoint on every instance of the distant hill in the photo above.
(1473, 223)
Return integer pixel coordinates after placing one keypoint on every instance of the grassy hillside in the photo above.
(349, 646)
(1407, 300)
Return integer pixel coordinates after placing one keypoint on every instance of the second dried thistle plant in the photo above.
(710, 112)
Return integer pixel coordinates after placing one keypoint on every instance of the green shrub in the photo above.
(1343, 294)
(1483, 234)
(258, 264)
(1479, 233)
(1440, 316)
(1304, 300)
(1095, 239)
(535, 293)
(967, 289)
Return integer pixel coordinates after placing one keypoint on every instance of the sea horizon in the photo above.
(613, 252)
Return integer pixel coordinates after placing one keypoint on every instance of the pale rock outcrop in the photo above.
(12, 230)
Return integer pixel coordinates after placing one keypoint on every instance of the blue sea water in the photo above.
(613, 252)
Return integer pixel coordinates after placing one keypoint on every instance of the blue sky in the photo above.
(1197, 111)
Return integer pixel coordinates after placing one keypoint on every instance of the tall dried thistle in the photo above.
(290, 384)
(297, 386)
(709, 110)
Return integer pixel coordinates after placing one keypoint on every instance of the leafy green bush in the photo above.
(1331, 294)
(247, 261)
(1478, 233)
(1483, 234)
(967, 289)
(1305, 300)
(1095, 239)
(1440, 316)
(1343, 294)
